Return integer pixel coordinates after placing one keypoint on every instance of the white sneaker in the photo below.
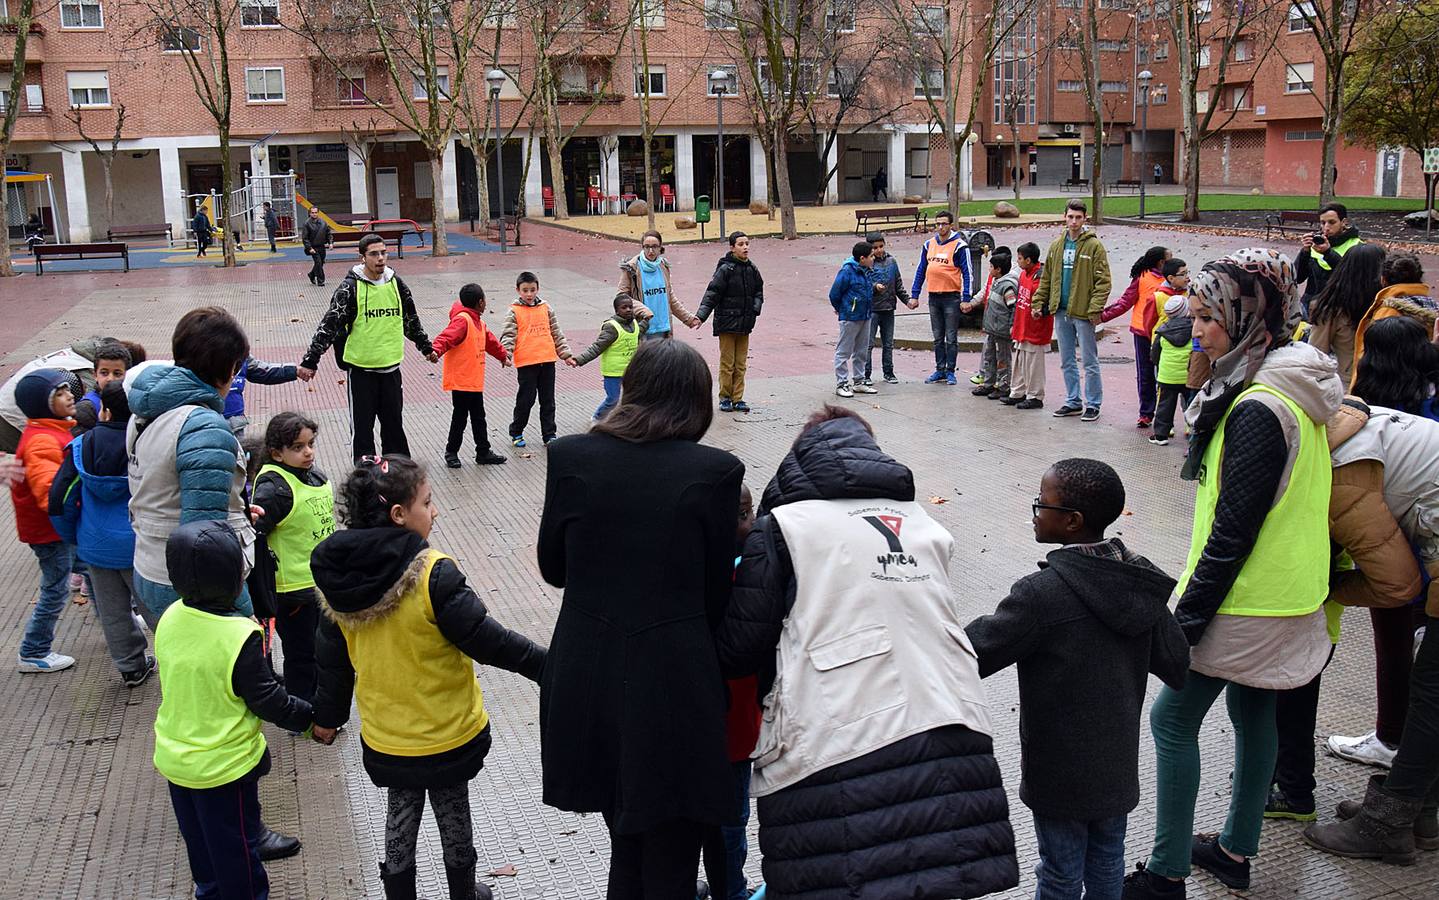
(865, 388)
(1366, 749)
(52, 662)
(843, 389)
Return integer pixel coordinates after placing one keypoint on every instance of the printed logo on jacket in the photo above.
(888, 522)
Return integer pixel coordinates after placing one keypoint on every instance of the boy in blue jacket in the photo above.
(89, 507)
(852, 296)
(255, 371)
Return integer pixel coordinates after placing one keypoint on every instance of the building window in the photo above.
(720, 15)
(1069, 4)
(1299, 78)
(650, 14)
(1293, 136)
(265, 85)
(1015, 78)
(1202, 60)
(501, 14)
(81, 14)
(1116, 4)
(1070, 87)
(4, 100)
(1243, 50)
(1201, 101)
(842, 83)
(574, 80)
(442, 81)
(351, 88)
(1297, 20)
(929, 83)
(651, 82)
(180, 40)
(930, 20)
(1114, 46)
(1239, 97)
(259, 13)
(839, 16)
(88, 88)
(1161, 50)
(1203, 9)
(1159, 95)
(1113, 87)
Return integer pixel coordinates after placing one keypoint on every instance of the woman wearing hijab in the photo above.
(1251, 597)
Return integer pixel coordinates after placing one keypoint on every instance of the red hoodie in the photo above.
(1027, 329)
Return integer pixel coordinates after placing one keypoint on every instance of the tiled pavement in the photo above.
(83, 813)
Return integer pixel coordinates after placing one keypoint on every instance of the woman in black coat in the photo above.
(639, 528)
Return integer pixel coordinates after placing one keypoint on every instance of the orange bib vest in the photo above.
(942, 275)
(464, 364)
(534, 344)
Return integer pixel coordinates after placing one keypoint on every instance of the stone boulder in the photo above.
(759, 208)
(1416, 219)
(1005, 210)
(912, 199)
(685, 223)
(638, 208)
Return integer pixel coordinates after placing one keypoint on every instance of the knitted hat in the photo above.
(34, 391)
(1174, 307)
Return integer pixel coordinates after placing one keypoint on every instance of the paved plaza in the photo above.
(84, 814)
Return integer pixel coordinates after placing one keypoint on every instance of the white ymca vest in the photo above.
(873, 650)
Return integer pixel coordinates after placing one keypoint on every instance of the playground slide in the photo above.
(334, 226)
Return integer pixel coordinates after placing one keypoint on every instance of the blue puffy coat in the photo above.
(90, 498)
(852, 294)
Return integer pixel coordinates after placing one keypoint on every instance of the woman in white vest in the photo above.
(875, 767)
(1252, 593)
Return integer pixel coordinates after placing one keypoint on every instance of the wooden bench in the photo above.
(511, 226)
(152, 229)
(96, 250)
(1290, 220)
(1125, 184)
(393, 237)
(1075, 184)
(889, 215)
(355, 219)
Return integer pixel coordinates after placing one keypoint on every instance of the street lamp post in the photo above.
(1145, 78)
(719, 84)
(496, 79)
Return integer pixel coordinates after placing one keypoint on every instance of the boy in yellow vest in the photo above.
(463, 345)
(298, 512)
(533, 338)
(615, 345)
(215, 688)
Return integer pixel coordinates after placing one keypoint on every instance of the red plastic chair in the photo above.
(548, 197)
(595, 201)
(667, 197)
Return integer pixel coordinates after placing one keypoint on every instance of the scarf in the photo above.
(654, 293)
(1252, 294)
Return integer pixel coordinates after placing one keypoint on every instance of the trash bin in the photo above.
(702, 208)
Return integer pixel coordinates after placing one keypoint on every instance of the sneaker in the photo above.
(1144, 422)
(135, 679)
(452, 460)
(548, 439)
(1143, 885)
(490, 458)
(950, 380)
(1091, 413)
(1280, 806)
(997, 394)
(1206, 854)
(981, 389)
(842, 389)
(1011, 401)
(936, 378)
(864, 387)
(890, 379)
(1067, 410)
(1158, 441)
(1366, 749)
(976, 378)
(741, 406)
(725, 404)
(866, 381)
(51, 662)
(77, 584)
(1030, 403)
(517, 440)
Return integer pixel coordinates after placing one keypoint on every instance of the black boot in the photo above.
(463, 885)
(1141, 884)
(1382, 829)
(399, 886)
(273, 845)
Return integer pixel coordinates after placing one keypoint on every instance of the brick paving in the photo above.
(85, 815)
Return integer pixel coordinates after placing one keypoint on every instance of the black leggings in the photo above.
(535, 380)
(660, 864)
(451, 806)
(1415, 773)
(469, 406)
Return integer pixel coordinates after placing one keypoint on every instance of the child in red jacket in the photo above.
(1032, 333)
(48, 403)
(463, 345)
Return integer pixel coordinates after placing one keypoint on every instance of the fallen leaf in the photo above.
(1127, 512)
(938, 501)
(295, 319)
(506, 871)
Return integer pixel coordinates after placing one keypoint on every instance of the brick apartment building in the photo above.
(88, 57)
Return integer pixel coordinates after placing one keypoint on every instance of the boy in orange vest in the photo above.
(534, 341)
(462, 347)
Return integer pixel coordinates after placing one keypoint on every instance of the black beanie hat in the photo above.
(34, 391)
(206, 562)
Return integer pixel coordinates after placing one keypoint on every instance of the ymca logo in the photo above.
(889, 528)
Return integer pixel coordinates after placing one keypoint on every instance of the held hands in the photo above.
(432, 356)
(913, 304)
(304, 374)
(322, 735)
(570, 361)
(1036, 312)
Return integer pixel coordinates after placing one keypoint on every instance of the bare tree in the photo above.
(20, 23)
(106, 154)
(1088, 32)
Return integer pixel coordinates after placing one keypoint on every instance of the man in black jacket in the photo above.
(735, 296)
(1316, 259)
(272, 225)
(318, 240)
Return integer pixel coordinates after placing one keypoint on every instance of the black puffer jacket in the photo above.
(735, 296)
(925, 817)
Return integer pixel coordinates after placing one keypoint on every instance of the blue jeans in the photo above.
(736, 841)
(612, 395)
(882, 333)
(1071, 331)
(156, 598)
(1080, 858)
(944, 328)
(55, 560)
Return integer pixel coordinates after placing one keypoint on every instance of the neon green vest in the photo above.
(1287, 571)
(377, 336)
(1173, 361)
(615, 358)
(311, 519)
(1341, 249)
(205, 736)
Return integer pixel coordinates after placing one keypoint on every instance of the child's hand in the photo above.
(322, 735)
(914, 304)
(966, 307)
(255, 513)
(432, 356)
(570, 361)
(505, 363)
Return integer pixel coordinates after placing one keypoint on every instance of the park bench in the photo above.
(912, 216)
(1290, 220)
(1125, 184)
(511, 225)
(1075, 184)
(96, 250)
(353, 219)
(393, 236)
(150, 229)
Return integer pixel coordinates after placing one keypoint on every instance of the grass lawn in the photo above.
(1172, 203)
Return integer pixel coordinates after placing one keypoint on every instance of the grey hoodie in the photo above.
(999, 304)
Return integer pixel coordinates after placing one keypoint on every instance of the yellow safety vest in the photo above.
(377, 336)
(205, 735)
(311, 519)
(1341, 249)
(615, 358)
(1287, 570)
